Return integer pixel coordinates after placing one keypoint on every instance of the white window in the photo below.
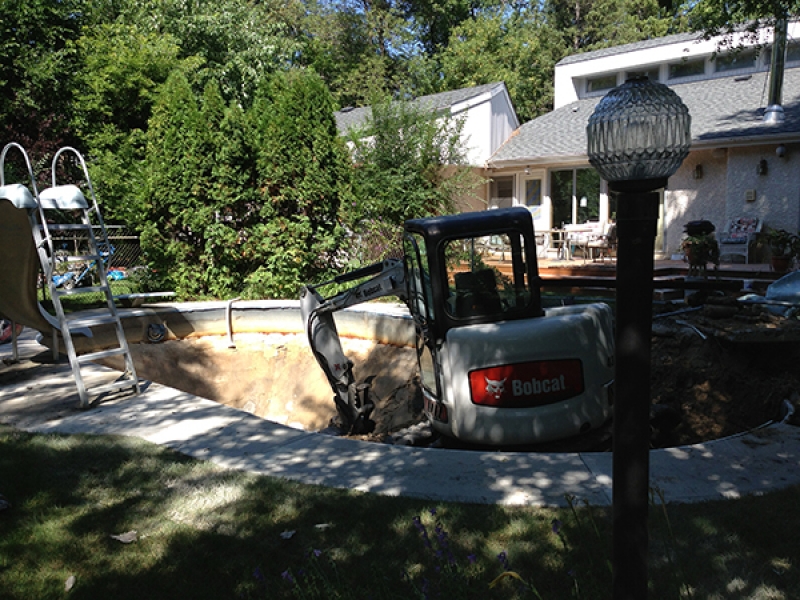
(687, 68)
(732, 61)
(601, 84)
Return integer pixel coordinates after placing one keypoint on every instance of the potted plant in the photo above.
(700, 246)
(784, 248)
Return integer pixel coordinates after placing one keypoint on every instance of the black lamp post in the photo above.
(638, 136)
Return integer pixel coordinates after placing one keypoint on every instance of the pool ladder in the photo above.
(46, 215)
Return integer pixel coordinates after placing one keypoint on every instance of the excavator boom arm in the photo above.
(352, 401)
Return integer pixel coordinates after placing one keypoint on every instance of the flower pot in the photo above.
(780, 264)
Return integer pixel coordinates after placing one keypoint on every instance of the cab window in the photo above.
(486, 276)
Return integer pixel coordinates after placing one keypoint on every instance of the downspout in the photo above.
(774, 111)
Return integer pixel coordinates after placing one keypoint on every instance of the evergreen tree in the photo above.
(303, 178)
(176, 199)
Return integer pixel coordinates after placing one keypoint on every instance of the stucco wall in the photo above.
(777, 194)
(730, 176)
(689, 199)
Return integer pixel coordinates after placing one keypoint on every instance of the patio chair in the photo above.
(604, 243)
(738, 234)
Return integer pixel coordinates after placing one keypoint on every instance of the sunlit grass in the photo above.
(204, 532)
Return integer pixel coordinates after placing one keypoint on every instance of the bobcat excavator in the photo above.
(495, 367)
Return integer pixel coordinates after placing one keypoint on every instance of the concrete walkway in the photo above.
(38, 396)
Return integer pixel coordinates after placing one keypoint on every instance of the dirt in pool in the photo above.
(276, 377)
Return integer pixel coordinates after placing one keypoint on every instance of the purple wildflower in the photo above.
(287, 576)
(432, 511)
(258, 575)
(471, 558)
(556, 526)
(422, 531)
(317, 553)
(503, 558)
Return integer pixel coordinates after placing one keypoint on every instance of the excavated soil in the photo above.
(723, 369)
(716, 371)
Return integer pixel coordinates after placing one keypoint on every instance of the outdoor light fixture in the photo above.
(638, 136)
(639, 131)
(698, 172)
(763, 167)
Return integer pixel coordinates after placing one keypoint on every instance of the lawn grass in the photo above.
(205, 532)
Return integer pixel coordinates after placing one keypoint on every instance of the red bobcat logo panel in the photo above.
(529, 384)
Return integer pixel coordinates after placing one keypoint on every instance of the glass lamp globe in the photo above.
(640, 130)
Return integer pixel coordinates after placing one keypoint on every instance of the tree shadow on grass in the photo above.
(206, 532)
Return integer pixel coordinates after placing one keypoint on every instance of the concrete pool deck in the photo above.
(39, 396)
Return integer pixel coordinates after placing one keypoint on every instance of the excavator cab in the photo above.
(468, 269)
(495, 367)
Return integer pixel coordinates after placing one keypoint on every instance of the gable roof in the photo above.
(349, 118)
(724, 111)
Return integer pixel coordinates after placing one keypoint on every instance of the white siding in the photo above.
(568, 77)
(489, 120)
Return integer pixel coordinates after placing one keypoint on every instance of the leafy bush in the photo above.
(243, 202)
(409, 164)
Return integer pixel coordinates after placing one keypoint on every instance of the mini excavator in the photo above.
(495, 367)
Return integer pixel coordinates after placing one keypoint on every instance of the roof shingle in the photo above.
(349, 118)
(723, 110)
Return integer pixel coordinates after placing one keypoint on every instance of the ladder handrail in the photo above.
(6, 148)
(48, 240)
(101, 224)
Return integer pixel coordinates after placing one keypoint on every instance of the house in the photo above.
(486, 112)
(739, 164)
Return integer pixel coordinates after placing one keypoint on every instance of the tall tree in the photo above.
(718, 17)
(408, 166)
(238, 41)
(303, 171)
(521, 51)
(613, 22)
(122, 70)
(594, 24)
(175, 199)
(435, 20)
(358, 47)
(36, 68)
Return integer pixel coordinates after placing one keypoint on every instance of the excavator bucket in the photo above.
(353, 401)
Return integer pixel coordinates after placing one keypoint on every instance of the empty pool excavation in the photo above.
(254, 356)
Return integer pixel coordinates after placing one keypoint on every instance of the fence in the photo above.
(126, 252)
(125, 256)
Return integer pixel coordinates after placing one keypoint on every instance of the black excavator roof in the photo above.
(517, 218)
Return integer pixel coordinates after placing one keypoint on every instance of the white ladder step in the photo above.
(80, 258)
(92, 356)
(68, 227)
(92, 289)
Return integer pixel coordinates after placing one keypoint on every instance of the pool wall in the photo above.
(380, 322)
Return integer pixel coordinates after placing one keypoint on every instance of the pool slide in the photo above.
(19, 264)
